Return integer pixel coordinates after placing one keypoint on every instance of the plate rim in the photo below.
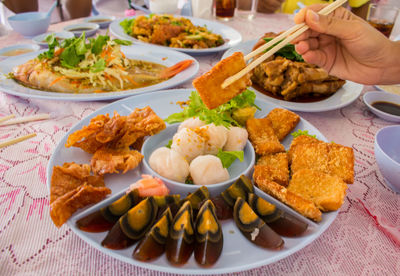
(327, 221)
(114, 27)
(295, 106)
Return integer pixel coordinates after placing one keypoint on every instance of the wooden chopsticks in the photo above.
(287, 37)
(4, 121)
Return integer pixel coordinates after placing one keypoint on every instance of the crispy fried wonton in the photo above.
(283, 121)
(63, 207)
(107, 160)
(209, 84)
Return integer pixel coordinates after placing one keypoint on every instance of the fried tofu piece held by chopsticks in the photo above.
(209, 84)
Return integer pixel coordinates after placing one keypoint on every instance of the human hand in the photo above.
(269, 6)
(347, 47)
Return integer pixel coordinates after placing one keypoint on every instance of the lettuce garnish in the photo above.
(228, 157)
(300, 132)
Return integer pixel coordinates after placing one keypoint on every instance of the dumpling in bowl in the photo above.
(216, 137)
(207, 169)
(188, 143)
(237, 138)
(169, 164)
(192, 123)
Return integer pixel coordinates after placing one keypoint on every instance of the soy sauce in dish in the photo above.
(387, 107)
(81, 29)
(99, 20)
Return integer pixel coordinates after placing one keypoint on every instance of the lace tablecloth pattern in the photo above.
(31, 245)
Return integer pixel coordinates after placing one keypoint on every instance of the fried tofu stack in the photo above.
(311, 177)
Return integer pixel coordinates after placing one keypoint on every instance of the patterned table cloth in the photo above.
(31, 245)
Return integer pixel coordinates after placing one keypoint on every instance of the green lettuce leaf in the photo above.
(300, 132)
(127, 25)
(228, 157)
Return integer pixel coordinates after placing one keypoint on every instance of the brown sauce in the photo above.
(302, 99)
(99, 20)
(82, 29)
(387, 107)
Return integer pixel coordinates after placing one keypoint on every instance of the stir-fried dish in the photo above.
(171, 31)
(95, 65)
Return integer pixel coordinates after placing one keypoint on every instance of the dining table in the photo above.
(361, 240)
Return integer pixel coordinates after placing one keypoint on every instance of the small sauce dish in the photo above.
(383, 105)
(17, 50)
(77, 29)
(103, 20)
(60, 36)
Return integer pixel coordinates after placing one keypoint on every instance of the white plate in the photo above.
(346, 95)
(238, 253)
(40, 39)
(147, 53)
(378, 96)
(230, 35)
(5, 50)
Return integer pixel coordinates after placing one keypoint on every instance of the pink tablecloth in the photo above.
(31, 245)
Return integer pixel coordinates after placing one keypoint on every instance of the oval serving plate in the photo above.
(346, 95)
(230, 35)
(238, 253)
(140, 52)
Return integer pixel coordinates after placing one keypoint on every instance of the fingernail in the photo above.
(314, 15)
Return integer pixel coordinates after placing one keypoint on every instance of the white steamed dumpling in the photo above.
(188, 143)
(192, 123)
(207, 169)
(169, 164)
(237, 138)
(216, 137)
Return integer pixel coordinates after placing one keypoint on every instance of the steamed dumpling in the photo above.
(207, 169)
(192, 123)
(169, 164)
(188, 143)
(237, 138)
(216, 137)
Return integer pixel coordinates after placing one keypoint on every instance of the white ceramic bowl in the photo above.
(103, 20)
(41, 39)
(387, 155)
(235, 170)
(77, 29)
(378, 96)
(17, 50)
(30, 23)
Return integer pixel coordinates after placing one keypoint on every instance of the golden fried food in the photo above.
(107, 160)
(209, 84)
(283, 121)
(326, 191)
(69, 176)
(302, 139)
(262, 136)
(341, 162)
(63, 207)
(273, 174)
(277, 165)
(304, 206)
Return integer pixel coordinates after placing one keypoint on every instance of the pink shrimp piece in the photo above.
(150, 186)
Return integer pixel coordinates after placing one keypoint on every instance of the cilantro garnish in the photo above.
(228, 157)
(287, 51)
(123, 42)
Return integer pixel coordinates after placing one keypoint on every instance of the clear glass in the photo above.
(225, 9)
(382, 17)
(246, 8)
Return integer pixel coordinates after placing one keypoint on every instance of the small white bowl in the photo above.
(77, 29)
(387, 155)
(235, 170)
(103, 20)
(30, 24)
(17, 50)
(41, 39)
(377, 96)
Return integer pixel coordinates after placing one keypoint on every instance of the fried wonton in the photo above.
(69, 176)
(262, 136)
(283, 121)
(63, 207)
(107, 160)
(209, 84)
(276, 166)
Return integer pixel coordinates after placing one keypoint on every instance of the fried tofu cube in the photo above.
(304, 206)
(341, 162)
(310, 156)
(302, 139)
(325, 190)
(277, 165)
(273, 174)
(283, 121)
(209, 84)
(262, 136)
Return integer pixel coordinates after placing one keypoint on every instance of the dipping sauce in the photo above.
(82, 29)
(99, 20)
(387, 107)
(16, 52)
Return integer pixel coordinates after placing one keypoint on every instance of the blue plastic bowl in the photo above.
(30, 23)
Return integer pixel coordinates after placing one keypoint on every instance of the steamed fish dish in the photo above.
(85, 66)
(171, 31)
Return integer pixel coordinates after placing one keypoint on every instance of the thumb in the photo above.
(327, 24)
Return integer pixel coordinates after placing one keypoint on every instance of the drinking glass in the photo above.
(247, 8)
(225, 9)
(382, 17)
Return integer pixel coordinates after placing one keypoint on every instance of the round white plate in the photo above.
(40, 39)
(238, 253)
(230, 35)
(162, 56)
(347, 94)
